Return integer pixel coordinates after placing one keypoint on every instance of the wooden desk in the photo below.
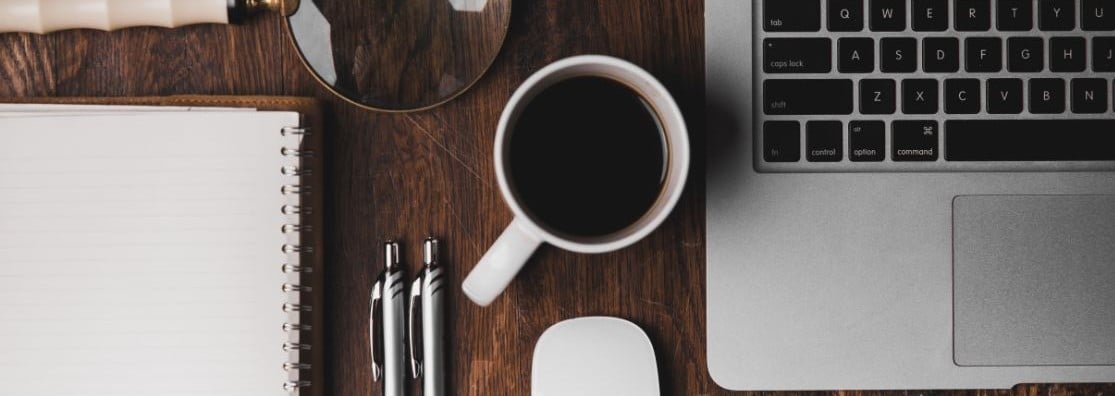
(406, 175)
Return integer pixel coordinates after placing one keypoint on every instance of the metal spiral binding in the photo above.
(290, 288)
(295, 346)
(297, 308)
(295, 385)
(292, 228)
(288, 248)
(295, 131)
(296, 366)
(296, 171)
(295, 327)
(296, 207)
(289, 269)
(294, 189)
(289, 152)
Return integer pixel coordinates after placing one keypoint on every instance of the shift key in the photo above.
(804, 97)
(797, 55)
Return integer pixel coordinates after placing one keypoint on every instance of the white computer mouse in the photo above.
(594, 356)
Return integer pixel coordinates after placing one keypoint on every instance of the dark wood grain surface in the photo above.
(406, 175)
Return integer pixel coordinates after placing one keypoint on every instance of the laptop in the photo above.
(910, 194)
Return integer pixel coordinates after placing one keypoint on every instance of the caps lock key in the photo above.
(797, 55)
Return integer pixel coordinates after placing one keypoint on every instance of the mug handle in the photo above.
(500, 264)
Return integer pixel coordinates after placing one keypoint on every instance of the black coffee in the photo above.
(587, 157)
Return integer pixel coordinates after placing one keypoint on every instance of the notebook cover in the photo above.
(312, 118)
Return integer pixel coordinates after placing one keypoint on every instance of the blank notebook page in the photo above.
(140, 253)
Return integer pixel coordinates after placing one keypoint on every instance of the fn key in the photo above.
(781, 141)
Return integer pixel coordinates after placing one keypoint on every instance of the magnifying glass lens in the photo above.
(399, 55)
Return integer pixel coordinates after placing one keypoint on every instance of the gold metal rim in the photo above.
(289, 6)
(286, 7)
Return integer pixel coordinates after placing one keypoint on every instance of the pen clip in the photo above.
(415, 302)
(376, 302)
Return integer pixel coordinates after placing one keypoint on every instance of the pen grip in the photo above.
(414, 327)
(374, 335)
(393, 321)
(45, 16)
(433, 337)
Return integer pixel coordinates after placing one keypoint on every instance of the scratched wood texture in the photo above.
(407, 175)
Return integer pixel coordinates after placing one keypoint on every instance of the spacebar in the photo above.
(1030, 140)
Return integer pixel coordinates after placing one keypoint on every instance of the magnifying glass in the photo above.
(386, 55)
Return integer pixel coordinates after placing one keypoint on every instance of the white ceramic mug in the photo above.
(519, 241)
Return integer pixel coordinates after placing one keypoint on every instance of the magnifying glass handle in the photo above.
(45, 16)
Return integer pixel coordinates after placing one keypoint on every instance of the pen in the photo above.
(428, 292)
(387, 295)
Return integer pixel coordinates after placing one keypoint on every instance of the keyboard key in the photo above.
(1089, 95)
(845, 15)
(962, 96)
(1056, 15)
(1103, 54)
(941, 54)
(1015, 15)
(1029, 140)
(797, 55)
(919, 96)
(886, 15)
(1047, 96)
(973, 15)
(930, 15)
(792, 16)
(867, 141)
(781, 141)
(984, 54)
(856, 55)
(802, 97)
(1066, 54)
(876, 96)
(1097, 15)
(1004, 96)
(898, 55)
(914, 140)
(1025, 54)
(824, 141)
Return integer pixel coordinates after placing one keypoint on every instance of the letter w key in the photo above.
(888, 15)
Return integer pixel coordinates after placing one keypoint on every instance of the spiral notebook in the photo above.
(160, 246)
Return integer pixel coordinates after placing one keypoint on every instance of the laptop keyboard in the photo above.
(935, 85)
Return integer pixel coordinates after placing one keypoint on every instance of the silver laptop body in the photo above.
(893, 274)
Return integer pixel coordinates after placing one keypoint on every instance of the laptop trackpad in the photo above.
(1034, 280)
